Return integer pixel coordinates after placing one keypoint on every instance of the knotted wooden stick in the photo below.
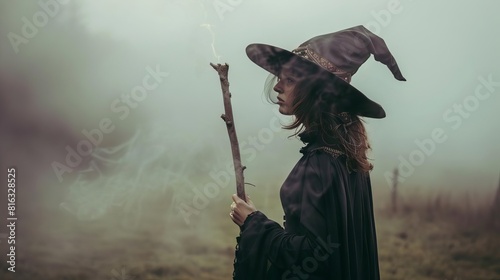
(223, 70)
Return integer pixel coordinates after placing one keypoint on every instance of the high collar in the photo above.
(312, 139)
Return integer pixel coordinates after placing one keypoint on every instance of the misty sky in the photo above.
(90, 53)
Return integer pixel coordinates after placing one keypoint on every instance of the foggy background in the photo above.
(73, 71)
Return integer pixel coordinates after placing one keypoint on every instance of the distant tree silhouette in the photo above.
(495, 208)
(394, 191)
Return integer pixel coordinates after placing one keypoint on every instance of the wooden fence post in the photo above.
(394, 191)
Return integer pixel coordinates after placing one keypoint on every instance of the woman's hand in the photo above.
(241, 209)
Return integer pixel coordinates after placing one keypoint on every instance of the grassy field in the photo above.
(426, 239)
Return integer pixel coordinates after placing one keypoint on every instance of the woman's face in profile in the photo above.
(285, 89)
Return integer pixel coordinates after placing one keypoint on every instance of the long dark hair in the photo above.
(317, 113)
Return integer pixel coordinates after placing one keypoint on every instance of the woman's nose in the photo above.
(278, 87)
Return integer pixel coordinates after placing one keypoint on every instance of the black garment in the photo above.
(329, 229)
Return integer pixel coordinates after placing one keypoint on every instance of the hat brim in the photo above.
(271, 58)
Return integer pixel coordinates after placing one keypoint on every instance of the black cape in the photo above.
(329, 228)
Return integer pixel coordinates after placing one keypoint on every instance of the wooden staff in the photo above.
(223, 70)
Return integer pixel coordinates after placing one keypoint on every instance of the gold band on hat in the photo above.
(312, 56)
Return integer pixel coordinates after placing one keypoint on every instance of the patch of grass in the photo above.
(425, 240)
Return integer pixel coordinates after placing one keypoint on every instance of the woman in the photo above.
(329, 229)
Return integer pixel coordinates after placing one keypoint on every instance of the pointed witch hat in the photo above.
(337, 55)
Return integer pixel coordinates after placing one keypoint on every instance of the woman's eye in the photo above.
(286, 80)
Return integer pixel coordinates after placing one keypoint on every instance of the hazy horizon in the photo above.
(91, 52)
